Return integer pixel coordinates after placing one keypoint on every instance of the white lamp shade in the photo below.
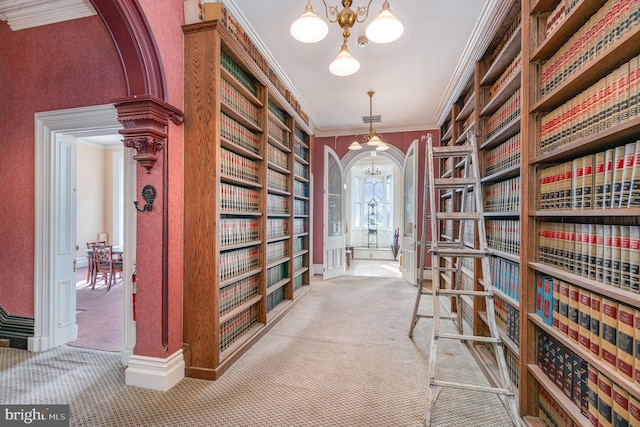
(309, 28)
(382, 146)
(374, 141)
(344, 64)
(385, 28)
(355, 146)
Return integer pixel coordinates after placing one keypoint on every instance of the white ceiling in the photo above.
(413, 77)
(410, 76)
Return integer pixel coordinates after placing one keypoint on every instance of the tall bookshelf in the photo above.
(557, 119)
(582, 64)
(247, 147)
(498, 87)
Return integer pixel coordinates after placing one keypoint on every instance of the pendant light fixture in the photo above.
(309, 28)
(372, 139)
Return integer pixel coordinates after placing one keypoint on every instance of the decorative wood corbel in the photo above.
(145, 120)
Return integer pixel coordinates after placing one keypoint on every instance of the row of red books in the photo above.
(503, 156)
(611, 101)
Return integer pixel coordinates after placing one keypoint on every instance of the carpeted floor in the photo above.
(98, 315)
(340, 357)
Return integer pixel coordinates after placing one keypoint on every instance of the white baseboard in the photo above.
(155, 373)
(317, 269)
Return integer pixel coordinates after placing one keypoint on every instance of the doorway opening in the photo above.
(55, 229)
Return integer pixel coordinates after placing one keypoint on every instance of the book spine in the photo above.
(620, 406)
(634, 412)
(564, 308)
(574, 310)
(584, 336)
(595, 339)
(609, 332)
(592, 384)
(636, 345)
(605, 401)
(626, 318)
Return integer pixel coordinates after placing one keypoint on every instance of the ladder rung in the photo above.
(461, 253)
(464, 292)
(430, 316)
(486, 389)
(458, 215)
(450, 183)
(475, 338)
(453, 150)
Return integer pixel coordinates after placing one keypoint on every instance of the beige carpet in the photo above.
(341, 357)
(98, 315)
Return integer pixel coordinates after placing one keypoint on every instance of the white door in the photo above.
(64, 240)
(334, 255)
(408, 247)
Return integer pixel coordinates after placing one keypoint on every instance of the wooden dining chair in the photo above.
(102, 264)
(90, 262)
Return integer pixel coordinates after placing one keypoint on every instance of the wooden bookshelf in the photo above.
(549, 90)
(247, 195)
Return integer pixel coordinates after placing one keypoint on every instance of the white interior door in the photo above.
(408, 247)
(64, 241)
(334, 246)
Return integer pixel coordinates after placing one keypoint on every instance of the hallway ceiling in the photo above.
(412, 77)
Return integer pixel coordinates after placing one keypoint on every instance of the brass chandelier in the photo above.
(372, 139)
(310, 28)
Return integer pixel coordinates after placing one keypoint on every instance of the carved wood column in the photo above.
(145, 120)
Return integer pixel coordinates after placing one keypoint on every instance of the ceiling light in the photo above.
(344, 64)
(385, 28)
(372, 139)
(309, 28)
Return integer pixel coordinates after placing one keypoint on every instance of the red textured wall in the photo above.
(401, 140)
(57, 66)
(165, 23)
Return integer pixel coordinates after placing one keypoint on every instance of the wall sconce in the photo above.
(149, 195)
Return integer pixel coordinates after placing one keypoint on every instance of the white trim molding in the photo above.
(155, 373)
(34, 13)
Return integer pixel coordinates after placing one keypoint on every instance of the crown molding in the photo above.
(485, 29)
(22, 14)
(246, 26)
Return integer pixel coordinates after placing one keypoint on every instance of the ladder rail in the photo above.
(468, 186)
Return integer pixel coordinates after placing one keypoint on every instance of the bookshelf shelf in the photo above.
(505, 255)
(621, 295)
(240, 245)
(620, 52)
(239, 181)
(226, 75)
(504, 58)
(588, 357)
(231, 112)
(280, 283)
(230, 315)
(563, 401)
(512, 302)
(505, 92)
(572, 23)
(280, 146)
(507, 131)
(447, 134)
(543, 6)
(301, 271)
(599, 141)
(278, 191)
(502, 333)
(463, 135)
(598, 213)
(467, 109)
(238, 154)
(513, 214)
(509, 172)
(238, 149)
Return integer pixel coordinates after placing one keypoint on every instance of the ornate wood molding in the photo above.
(145, 120)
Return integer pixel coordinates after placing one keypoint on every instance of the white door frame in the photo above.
(408, 236)
(83, 121)
(333, 247)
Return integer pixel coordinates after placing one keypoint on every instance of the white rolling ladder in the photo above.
(464, 157)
